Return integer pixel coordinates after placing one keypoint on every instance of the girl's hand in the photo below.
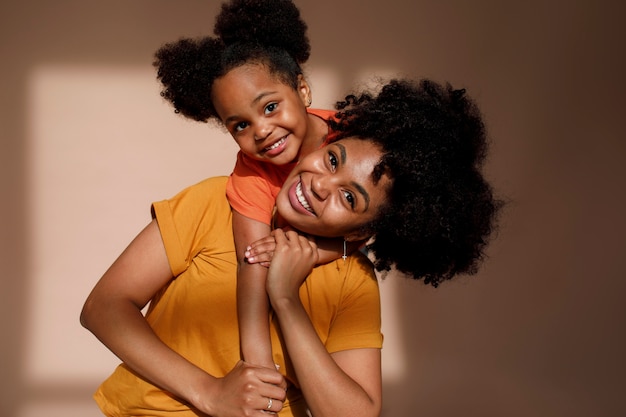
(261, 251)
(294, 258)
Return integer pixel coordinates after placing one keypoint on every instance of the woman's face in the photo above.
(331, 192)
(266, 117)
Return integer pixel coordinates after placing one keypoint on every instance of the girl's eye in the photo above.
(349, 198)
(270, 107)
(240, 126)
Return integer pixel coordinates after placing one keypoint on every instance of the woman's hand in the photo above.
(345, 383)
(245, 391)
(294, 258)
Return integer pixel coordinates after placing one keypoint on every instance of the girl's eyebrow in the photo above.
(254, 101)
(260, 96)
(359, 187)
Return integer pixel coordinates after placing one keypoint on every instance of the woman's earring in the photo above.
(345, 251)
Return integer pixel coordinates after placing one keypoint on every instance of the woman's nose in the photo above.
(320, 186)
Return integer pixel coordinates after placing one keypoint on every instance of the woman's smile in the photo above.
(332, 191)
(298, 199)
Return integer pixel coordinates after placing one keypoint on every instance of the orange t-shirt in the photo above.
(253, 186)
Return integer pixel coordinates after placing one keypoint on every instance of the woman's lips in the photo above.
(298, 199)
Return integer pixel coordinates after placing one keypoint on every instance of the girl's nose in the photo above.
(262, 131)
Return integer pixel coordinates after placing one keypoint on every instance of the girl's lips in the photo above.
(276, 148)
(298, 200)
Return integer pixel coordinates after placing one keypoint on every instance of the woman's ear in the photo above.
(357, 236)
(304, 91)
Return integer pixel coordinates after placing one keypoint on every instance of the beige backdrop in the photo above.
(87, 144)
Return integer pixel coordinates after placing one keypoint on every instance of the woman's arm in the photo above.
(112, 313)
(346, 383)
(328, 249)
(252, 301)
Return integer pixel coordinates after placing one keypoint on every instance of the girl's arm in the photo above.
(252, 301)
(346, 383)
(328, 249)
(112, 312)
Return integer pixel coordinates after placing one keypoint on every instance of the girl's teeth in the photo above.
(301, 198)
(276, 145)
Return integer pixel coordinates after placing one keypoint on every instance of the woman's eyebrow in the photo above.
(359, 187)
(363, 192)
(342, 152)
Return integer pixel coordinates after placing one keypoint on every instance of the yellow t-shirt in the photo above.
(196, 314)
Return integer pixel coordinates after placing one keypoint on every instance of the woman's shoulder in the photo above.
(211, 182)
(197, 197)
(343, 277)
(206, 188)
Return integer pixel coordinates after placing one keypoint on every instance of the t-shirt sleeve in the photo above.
(252, 189)
(357, 323)
(193, 221)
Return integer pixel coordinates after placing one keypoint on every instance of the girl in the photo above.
(249, 78)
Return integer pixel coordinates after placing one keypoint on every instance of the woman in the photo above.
(406, 171)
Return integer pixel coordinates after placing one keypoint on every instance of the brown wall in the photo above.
(539, 331)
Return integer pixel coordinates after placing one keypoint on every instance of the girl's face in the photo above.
(267, 117)
(331, 192)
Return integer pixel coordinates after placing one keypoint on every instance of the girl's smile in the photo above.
(266, 117)
(276, 148)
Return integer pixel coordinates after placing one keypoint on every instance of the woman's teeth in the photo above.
(276, 145)
(301, 198)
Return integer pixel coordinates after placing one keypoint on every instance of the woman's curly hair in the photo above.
(265, 32)
(441, 210)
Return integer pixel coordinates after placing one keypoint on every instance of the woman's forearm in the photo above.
(112, 312)
(120, 326)
(328, 389)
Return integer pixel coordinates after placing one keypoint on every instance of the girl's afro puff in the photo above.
(271, 23)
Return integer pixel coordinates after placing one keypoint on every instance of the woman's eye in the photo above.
(332, 160)
(240, 126)
(270, 107)
(349, 198)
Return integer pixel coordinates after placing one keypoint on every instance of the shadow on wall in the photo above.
(87, 145)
